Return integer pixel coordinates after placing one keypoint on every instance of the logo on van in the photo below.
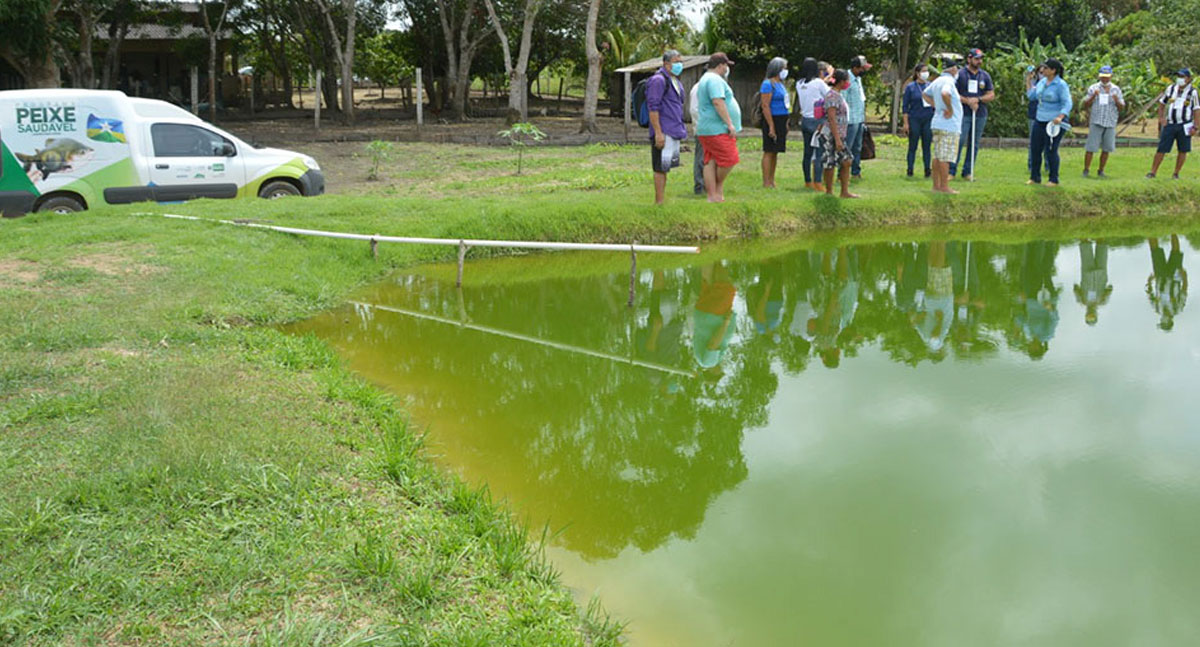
(34, 119)
(106, 130)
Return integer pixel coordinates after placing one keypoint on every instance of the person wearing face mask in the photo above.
(856, 119)
(976, 89)
(1054, 106)
(835, 148)
(720, 122)
(1104, 101)
(942, 96)
(776, 108)
(664, 100)
(918, 118)
(1175, 126)
(810, 92)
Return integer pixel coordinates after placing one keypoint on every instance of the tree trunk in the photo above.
(43, 73)
(901, 72)
(86, 77)
(112, 55)
(518, 95)
(591, 94)
(212, 77)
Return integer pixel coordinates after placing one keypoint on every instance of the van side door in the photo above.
(190, 161)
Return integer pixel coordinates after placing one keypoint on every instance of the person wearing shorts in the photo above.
(664, 101)
(1175, 124)
(943, 96)
(720, 121)
(1104, 101)
(776, 108)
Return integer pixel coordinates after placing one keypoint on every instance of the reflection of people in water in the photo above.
(935, 312)
(839, 280)
(766, 300)
(658, 341)
(911, 275)
(1093, 289)
(1167, 286)
(713, 317)
(1039, 317)
(967, 263)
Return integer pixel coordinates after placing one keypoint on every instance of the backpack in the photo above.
(637, 102)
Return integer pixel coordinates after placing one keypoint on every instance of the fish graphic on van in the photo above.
(59, 156)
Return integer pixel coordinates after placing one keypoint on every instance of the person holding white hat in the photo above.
(1054, 106)
(1104, 101)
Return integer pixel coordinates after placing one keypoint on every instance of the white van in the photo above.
(67, 150)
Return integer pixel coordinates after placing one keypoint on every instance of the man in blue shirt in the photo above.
(976, 89)
(664, 100)
(942, 95)
(856, 119)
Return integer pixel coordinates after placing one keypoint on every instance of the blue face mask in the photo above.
(676, 68)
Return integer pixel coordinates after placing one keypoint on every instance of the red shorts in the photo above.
(722, 148)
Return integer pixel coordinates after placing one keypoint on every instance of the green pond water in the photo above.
(934, 443)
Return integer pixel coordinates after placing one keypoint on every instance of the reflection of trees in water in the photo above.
(627, 456)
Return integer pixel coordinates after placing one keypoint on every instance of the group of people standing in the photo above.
(944, 117)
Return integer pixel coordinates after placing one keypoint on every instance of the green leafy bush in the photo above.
(520, 135)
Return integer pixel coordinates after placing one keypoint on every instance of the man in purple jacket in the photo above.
(664, 100)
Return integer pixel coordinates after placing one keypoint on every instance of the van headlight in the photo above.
(311, 163)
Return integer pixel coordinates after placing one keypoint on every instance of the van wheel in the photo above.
(276, 190)
(61, 204)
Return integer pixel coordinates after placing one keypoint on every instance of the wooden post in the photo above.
(374, 247)
(628, 91)
(420, 100)
(558, 107)
(195, 90)
(317, 102)
(632, 271)
(462, 255)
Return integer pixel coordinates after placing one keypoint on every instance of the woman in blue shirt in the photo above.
(918, 117)
(775, 111)
(1054, 107)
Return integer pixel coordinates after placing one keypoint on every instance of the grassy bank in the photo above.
(170, 475)
(175, 472)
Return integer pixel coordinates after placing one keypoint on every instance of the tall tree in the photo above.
(27, 40)
(518, 87)
(591, 92)
(118, 18)
(343, 49)
(213, 28)
(463, 35)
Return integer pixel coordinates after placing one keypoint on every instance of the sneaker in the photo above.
(909, 172)
(1086, 173)
(1175, 176)
(1101, 175)
(928, 173)
(1149, 176)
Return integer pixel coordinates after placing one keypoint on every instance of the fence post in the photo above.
(374, 247)
(632, 271)
(317, 102)
(420, 100)
(462, 255)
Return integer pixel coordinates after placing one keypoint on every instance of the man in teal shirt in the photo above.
(856, 119)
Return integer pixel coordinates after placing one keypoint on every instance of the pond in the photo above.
(945, 442)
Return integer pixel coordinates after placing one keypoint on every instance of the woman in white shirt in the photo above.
(810, 99)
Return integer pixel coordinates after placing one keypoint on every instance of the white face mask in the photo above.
(1180, 81)
(924, 75)
(783, 75)
(726, 73)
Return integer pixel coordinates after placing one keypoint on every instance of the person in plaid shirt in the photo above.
(1104, 100)
(1175, 125)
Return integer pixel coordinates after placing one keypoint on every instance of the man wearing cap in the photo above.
(720, 120)
(942, 94)
(976, 89)
(1104, 101)
(856, 117)
(1175, 124)
(664, 100)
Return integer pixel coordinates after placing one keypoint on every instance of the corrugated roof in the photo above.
(161, 32)
(650, 65)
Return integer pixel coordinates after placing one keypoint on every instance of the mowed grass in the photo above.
(173, 474)
(605, 193)
(174, 471)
